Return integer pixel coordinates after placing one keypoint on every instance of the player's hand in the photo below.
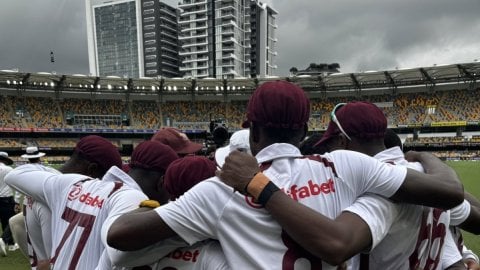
(238, 170)
(413, 156)
(472, 264)
(342, 266)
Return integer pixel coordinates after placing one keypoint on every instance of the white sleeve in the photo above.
(368, 174)
(38, 224)
(459, 213)
(213, 257)
(450, 252)
(147, 255)
(468, 254)
(122, 202)
(378, 212)
(38, 183)
(194, 216)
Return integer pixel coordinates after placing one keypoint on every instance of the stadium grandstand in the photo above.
(433, 108)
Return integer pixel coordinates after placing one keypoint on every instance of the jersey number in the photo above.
(430, 240)
(295, 252)
(75, 219)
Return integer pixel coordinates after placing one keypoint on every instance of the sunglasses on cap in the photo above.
(334, 119)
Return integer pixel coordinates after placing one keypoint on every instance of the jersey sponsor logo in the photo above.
(75, 192)
(87, 199)
(184, 255)
(311, 189)
(295, 192)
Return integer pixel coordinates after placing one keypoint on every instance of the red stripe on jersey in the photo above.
(264, 166)
(116, 187)
(327, 163)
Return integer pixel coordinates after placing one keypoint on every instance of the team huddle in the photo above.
(270, 199)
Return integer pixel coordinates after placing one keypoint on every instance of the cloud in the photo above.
(359, 35)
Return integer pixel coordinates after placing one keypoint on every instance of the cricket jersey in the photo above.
(249, 236)
(418, 236)
(79, 205)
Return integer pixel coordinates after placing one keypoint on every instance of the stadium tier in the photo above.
(52, 111)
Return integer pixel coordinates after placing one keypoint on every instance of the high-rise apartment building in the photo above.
(226, 38)
(202, 38)
(132, 38)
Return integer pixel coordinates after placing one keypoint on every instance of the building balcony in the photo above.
(169, 42)
(194, 11)
(193, 36)
(187, 29)
(194, 44)
(187, 19)
(165, 55)
(182, 53)
(163, 48)
(188, 4)
(164, 63)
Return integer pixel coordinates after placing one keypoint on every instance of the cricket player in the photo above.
(254, 238)
(79, 204)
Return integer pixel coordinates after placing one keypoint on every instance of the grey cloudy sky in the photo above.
(360, 35)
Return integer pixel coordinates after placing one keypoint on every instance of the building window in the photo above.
(149, 27)
(149, 19)
(151, 64)
(149, 34)
(148, 11)
(148, 4)
(150, 49)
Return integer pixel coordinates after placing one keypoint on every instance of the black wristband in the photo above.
(266, 193)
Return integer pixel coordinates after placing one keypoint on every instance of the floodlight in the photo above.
(52, 84)
(109, 87)
(8, 81)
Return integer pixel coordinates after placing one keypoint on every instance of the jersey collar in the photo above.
(276, 151)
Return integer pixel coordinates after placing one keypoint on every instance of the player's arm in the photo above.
(439, 187)
(472, 223)
(470, 259)
(143, 256)
(21, 179)
(138, 229)
(334, 241)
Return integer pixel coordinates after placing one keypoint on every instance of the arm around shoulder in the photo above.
(438, 187)
(137, 229)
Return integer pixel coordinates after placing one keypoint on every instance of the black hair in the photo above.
(392, 139)
(307, 146)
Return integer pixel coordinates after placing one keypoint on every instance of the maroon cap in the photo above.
(177, 140)
(278, 104)
(358, 119)
(185, 173)
(152, 156)
(99, 150)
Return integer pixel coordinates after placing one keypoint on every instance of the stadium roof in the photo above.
(454, 76)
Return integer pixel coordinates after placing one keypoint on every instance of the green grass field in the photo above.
(469, 172)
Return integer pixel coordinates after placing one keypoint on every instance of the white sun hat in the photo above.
(32, 152)
(240, 140)
(5, 159)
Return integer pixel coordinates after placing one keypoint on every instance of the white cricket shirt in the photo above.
(249, 236)
(79, 205)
